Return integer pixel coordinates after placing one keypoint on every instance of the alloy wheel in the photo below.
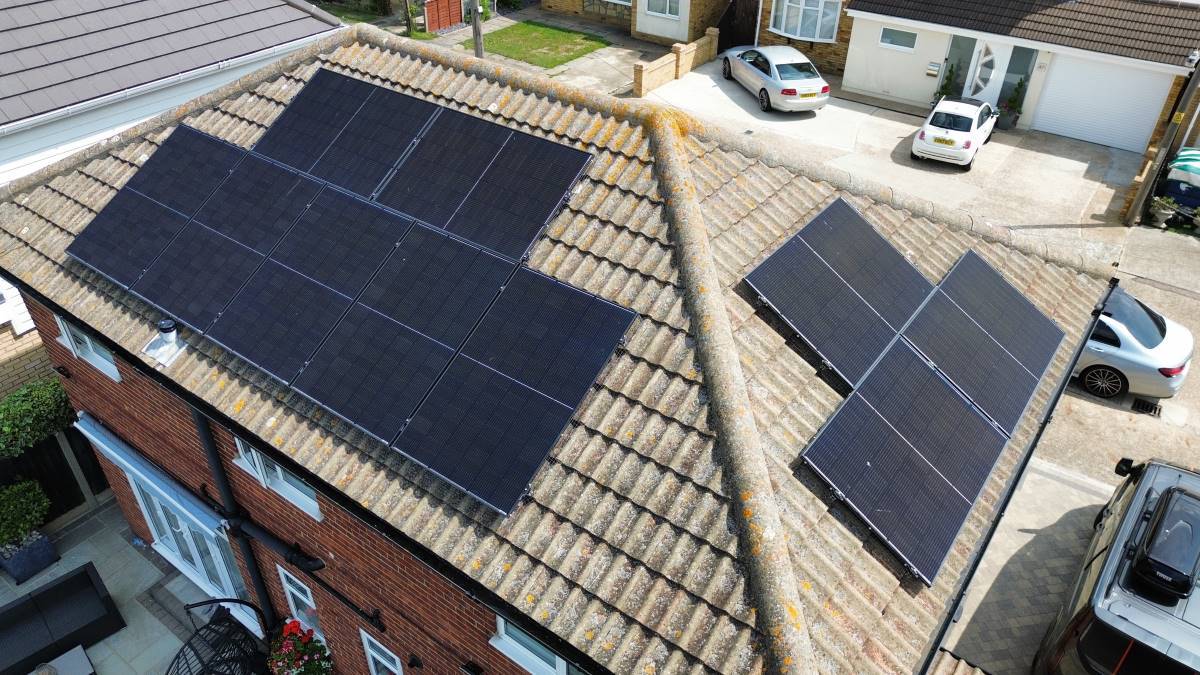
(1103, 382)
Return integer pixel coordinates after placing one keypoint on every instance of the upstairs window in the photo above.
(528, 652)
(300, 601)
(810, 20)
(83, 347)
(380, 661)
(285, 483)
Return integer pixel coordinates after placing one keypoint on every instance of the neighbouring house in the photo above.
(819, 28)
(662, 21)
(22, 358)
(673, 527)
(72, 73)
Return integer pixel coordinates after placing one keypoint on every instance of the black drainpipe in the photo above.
(1012, 488)
(230, 507)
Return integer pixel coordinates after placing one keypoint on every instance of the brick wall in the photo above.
(22, 359)
(1160, 128)
(830, 57)
(424, 614)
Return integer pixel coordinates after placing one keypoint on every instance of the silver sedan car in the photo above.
(781, 77)
(1134, 349)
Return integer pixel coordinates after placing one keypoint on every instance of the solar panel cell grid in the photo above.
(185, 170)
(258, 203)
(126, 236)
(302, 132)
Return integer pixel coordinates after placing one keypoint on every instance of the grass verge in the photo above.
(540, 44)
(348, 14)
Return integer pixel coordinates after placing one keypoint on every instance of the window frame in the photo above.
(523, 657)
(290, 588)
(373, 646)
(665, 15)
(98, 356)
(274, 478)
(799, 6)
(899, 48)
(1104, 339)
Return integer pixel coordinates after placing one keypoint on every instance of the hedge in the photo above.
(32, 413)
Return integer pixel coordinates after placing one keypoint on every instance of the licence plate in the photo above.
(811, 94)
(944, 141)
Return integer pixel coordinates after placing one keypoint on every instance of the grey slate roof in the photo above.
(662, 513)
(1165, 32)
(56, 53)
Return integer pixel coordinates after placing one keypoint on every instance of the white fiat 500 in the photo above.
(955, 130)
(780, 77)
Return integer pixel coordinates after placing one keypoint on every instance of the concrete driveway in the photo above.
(1038, 183)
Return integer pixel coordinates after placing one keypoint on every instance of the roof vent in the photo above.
(166, 346)
(1166, 559)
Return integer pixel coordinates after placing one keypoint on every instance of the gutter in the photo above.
(981, 549)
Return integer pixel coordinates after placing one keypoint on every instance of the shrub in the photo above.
(32, 413)
(299, 652)
(23, 509)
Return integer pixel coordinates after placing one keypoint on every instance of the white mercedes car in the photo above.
(781, 77)
(955, 130)
(1134, 349)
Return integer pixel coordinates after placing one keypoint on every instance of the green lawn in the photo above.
(348, 14)
(539, 44)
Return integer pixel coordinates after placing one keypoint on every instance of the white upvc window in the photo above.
(285, 483)
(526, 651)
(810, 20)
(84, 347)
(669, 8)
(380, 661)
(894, 38)
(300, 601)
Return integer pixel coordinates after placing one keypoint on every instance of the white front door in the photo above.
(986, 74)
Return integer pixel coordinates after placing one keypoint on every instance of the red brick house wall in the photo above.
(423, 612)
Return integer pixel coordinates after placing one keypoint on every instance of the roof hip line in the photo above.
(762, 543)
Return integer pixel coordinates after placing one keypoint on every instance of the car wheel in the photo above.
(968, 165)
(914, 156)
(725, 70)
(989, 138)
(764, 100)
(1103, 381)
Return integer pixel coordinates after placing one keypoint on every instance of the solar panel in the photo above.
(975, 362)
(373, 371)
(891, 487)
(258, 203)
(1002, 311)
(197, 275)
(314, 118)
(548, 335)
(447, 162)
(522, 190)
(484, 432)
(374, 139)
(185, 169)
(340, 241)
(867, 262)
(821, 308)
(278, 320)
(437, 285)
(126, 236)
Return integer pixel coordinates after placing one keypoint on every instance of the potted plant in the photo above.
(1010, 108)
(299, 652)
(24, 551)
(30, 414)
(1165, 208)
(948, 87)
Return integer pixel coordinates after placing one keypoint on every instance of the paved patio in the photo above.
(149, 593)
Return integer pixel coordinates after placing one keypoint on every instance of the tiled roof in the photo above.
(673, 528)
(1165, 32)
(56, 53)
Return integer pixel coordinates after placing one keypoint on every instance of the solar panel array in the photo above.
(941, 376)
(355, 258)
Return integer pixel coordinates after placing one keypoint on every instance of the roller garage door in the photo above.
(1101, 102)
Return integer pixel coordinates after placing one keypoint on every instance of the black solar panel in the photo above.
(126, 236)
(340, 241)
(374, 139)
(484, 432)
(447, 162)
(278, 320)
(258, 203)
(818, 305)
(373, 371)
(548, 335)
(314, 118)
(197, 275)
(522, 189)
(867, 262)
(900, 495)
(1006, 314)
(185, 169)
(437, 285)
(990, 376)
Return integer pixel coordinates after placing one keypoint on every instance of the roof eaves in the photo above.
(315, 11)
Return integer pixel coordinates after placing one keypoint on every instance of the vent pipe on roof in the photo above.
(166, 346)
(168, 333)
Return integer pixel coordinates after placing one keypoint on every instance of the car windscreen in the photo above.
(1146, 325)
(796, 71)
(945, 120)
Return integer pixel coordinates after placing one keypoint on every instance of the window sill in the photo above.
(673, 17)
(108, 369)
(802, 39)
(521, 656)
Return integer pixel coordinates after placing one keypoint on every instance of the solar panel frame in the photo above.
(186, 169)
(259, 203)
(108, 237)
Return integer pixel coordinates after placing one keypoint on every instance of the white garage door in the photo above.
(1104, 103)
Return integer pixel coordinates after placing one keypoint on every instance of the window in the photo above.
(950, 121)
(1105, 335)
(796, 71)
(83, 347)
(380, 661)
(527, 652)
(897, 39)
(1144, 324)
(300, 601)
(812, 20)
(287, 484)
(663, 7)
